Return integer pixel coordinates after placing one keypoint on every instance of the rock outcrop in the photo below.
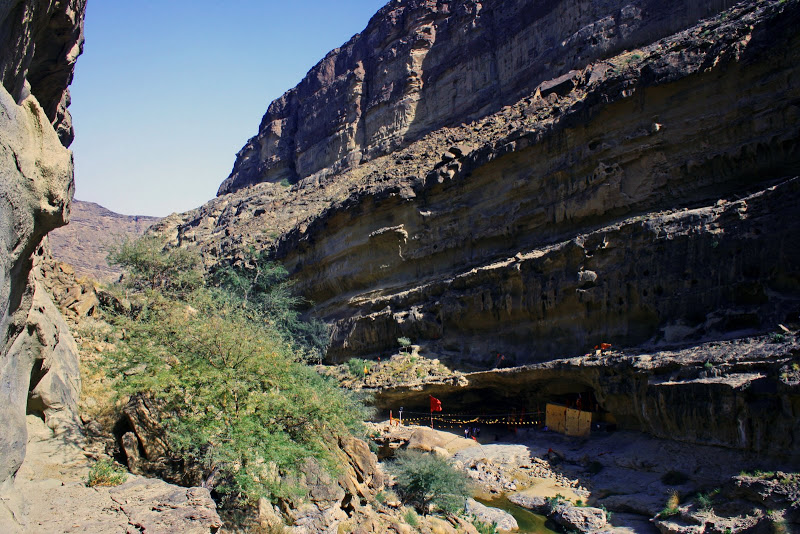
(738, 394)
(52, 496)
(421, 65)
(40, 41)
(641, 198)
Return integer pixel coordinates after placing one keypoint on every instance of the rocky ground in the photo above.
(628, 473)
(51, 495)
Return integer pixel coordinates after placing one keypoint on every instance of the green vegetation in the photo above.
(776, 337)
(106, 473)
(705, 501)
(484, 528)
(405, 343)
(411, 517)
(552, 502)
(224, 362)
(286, 183)
(426, 480)
(262, 287)
(671, 507)
(608, 512)
(359, 367)
(148, 268)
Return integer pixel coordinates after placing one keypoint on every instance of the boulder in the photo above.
(582, 519)
(501, 519)
(426, 439)
(535, 503)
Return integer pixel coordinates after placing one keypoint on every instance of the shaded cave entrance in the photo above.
(501, 406)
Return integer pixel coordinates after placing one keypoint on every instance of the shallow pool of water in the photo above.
(529, 523)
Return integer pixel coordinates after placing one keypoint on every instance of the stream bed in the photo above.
(529, 522)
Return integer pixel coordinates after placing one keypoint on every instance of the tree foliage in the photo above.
(427, 479)
(234, 393)
(150, 266)
(263, 286)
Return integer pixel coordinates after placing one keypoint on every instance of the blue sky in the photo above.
(168, 91)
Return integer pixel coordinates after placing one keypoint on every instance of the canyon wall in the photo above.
(644, 200)
(39, 43)
(421, 65)
(628, 176)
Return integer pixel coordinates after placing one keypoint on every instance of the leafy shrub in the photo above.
(263, 286)
(150, 267)
(425, 480)
(405, 343)
(552, 502)
(777, 337)
(234, 395)
(106, 473)
(357, 366)
(410, 517)
(705, 500)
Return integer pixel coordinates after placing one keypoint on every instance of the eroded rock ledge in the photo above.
(646, 198)
(742, 394)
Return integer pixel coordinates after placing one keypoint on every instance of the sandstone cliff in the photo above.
(40, 42)
(646, 198)
(424, 64)
(631, 179)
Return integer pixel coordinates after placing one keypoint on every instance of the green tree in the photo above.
(150, 266)
(427, 479)
(405, 343)
(234, 395)
(264, 287)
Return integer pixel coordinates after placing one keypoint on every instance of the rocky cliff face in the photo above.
(39, 43)
(421, 65)
(628, 178)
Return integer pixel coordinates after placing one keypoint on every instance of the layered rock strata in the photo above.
(645, 198)
(739, 394)
(421, 65)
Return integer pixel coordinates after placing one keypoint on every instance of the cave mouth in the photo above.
(510, 406)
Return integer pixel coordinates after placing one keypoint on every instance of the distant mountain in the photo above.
(84, 242)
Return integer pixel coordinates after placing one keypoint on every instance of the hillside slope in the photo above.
(84, 242)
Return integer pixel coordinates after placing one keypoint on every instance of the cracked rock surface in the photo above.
(51, 496)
